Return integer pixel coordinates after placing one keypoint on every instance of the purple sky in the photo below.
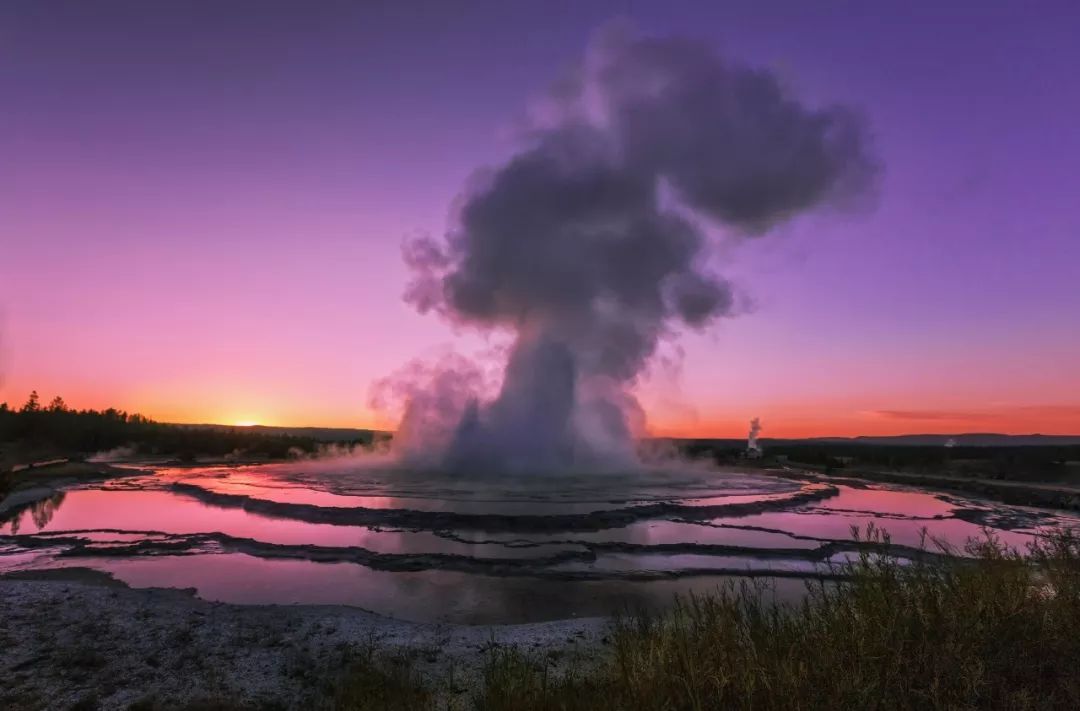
(201, 206)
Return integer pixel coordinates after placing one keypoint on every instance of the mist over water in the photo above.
(589, 245)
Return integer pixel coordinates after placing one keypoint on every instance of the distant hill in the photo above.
(972, 439)
(322, 434)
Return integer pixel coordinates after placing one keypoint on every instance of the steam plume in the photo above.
(588, 243)
(752, 438)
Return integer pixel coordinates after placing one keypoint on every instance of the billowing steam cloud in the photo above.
(588, 243)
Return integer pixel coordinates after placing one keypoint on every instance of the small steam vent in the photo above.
(753, 447)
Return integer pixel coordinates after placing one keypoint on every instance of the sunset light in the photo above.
(539, 355)
(280, 278)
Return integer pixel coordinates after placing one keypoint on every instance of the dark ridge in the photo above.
(966, 439)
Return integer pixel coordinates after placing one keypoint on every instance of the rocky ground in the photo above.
(76, 638)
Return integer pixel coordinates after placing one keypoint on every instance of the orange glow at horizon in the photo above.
(780, 420)
(202, 232)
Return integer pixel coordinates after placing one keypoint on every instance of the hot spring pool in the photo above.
(478, 550)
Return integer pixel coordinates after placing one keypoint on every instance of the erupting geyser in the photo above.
(588, 244)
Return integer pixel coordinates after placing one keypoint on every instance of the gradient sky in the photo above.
(201, 207)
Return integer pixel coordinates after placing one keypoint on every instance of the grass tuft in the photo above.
(382, 683)
(1000, 630)
(989, 629)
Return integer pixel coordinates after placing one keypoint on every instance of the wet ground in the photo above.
(479, 550)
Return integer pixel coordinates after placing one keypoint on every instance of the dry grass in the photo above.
(385, 683)
(999, 630)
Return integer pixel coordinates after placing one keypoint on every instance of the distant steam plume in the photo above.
(752, 438)
(588, 243)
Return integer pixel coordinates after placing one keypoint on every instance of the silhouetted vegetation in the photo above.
(1031, 463)
(1000, 630)
(34, 432)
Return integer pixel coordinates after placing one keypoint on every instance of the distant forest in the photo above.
(44, 430)
(36, 431)
(1053, 462)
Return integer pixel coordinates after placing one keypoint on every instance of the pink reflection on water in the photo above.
(260, 489)
(168, 513)
(671, 532)
(359, 486)
(955, 532)
(237, 577)
(314, 497)
(888, 501)
(165, 512)
(752, 498)
(632, 562)
(430, 596)
(662, 532)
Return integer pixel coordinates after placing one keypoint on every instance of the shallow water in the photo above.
(453, 549)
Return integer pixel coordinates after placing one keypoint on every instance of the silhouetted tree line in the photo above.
(1018, 463)
(58, 428)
